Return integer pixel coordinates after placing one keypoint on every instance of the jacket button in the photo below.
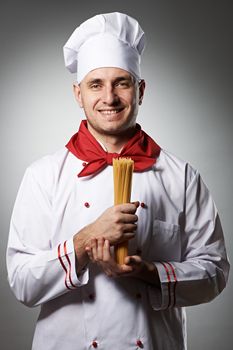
(84, 164)
(87, 205)
(91, 296)
(143, 205)
(138, 296)
(140, 344)
(95, 344)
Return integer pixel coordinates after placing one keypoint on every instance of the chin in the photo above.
(117, 129)
(112, 127)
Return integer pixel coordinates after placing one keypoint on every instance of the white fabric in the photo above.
(107, 40)
(178, 228)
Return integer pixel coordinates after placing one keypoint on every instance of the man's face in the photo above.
(110, 98)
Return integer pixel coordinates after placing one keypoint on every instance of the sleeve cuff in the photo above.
(66, 256)
(164, 298)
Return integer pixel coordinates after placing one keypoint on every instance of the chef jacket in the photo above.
(178, 230)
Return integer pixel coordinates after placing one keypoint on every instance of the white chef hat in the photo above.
(106, 40)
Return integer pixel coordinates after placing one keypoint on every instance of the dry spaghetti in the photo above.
(122, 175)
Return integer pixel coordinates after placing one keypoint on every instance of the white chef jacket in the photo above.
(178, 229)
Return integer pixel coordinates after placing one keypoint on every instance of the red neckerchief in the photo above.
(141, 148)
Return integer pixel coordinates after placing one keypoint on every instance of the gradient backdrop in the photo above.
(187, 108)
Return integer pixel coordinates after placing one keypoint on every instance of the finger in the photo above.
(89, 253)
(127, 236)
(137, 203)
(106, 251)
(129, 228)
(129, 208)
(129, 218)
(100, 243)
(133, 260)
(124, 269)
(94, 248)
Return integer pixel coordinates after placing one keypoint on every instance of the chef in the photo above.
(64, 226)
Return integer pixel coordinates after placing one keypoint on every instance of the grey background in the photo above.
(187, 108)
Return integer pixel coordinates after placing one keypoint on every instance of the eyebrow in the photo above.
(128, 78)
(94, 81)
(117, 80)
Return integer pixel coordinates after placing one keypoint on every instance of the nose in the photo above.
(110, 96)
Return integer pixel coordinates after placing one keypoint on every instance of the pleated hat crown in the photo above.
(106, 40)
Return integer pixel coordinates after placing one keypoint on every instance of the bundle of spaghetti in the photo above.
(122, 175)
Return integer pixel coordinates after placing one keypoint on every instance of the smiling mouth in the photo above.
(110, 111)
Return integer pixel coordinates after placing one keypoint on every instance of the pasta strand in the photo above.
(122, 175)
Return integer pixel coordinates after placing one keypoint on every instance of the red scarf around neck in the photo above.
(141, 148)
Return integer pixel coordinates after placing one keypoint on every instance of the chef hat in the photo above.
(106, 40)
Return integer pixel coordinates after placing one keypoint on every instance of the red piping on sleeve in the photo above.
(67, 271)
(63, 265)
(68, 259)
(175, 281)
(169, 284)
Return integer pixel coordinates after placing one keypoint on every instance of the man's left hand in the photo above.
(99, 252)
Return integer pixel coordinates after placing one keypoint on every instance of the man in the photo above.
(64, 226)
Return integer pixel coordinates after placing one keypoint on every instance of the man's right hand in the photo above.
(116, 224)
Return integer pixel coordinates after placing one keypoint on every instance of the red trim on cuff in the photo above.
(175, 281)
(63, 265)
(68, 259)
(169, 284)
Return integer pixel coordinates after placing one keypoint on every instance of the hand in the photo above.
(116, 224)
(99, 252)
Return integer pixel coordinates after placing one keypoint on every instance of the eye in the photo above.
(123, 84)
(95, 86)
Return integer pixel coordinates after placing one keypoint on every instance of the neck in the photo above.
(113, 143)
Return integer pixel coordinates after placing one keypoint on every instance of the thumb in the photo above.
(132, 260)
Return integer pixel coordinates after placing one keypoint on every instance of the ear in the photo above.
(77, 94)
(142, 86)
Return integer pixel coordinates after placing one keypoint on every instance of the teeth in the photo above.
(109, 112)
